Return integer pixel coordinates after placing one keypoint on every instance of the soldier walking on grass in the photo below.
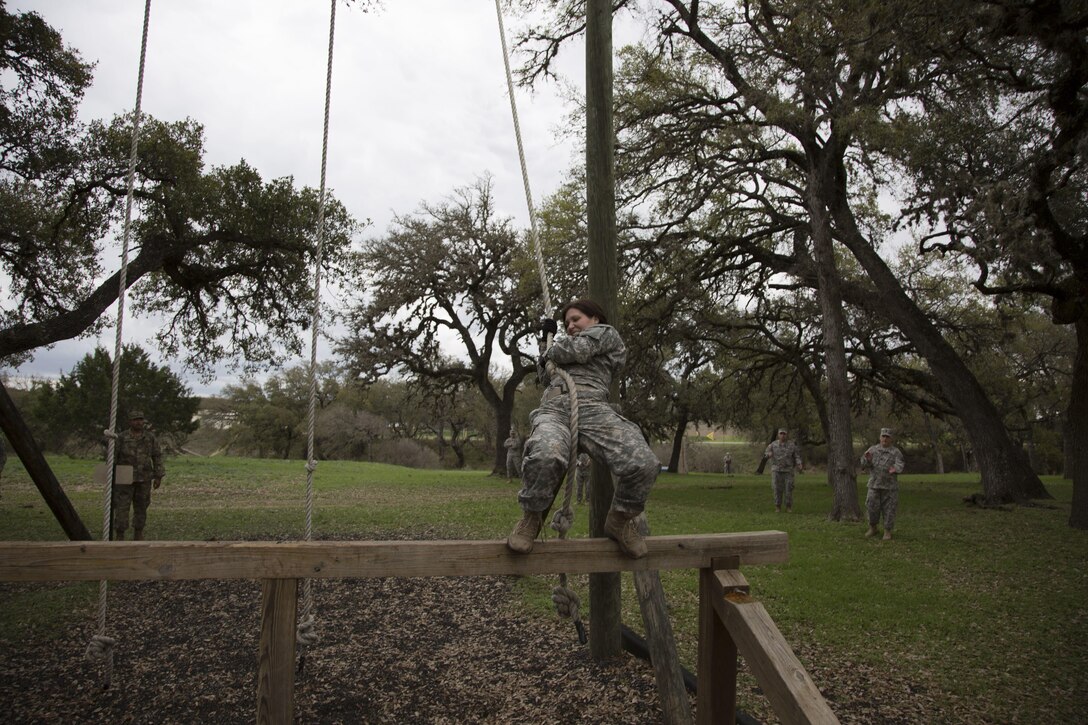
(140, 449)
(884, 462)
(784, 457)
(513, 456)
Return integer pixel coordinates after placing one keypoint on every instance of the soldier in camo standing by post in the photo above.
(784, 457)
(140, 449)
(513, 456)
(581, 475)
(885, 462)
(592, 353)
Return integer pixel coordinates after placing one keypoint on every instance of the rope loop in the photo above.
(311, 466)
(562, 520)
(100, 648)
(566, 603)
(306, 633)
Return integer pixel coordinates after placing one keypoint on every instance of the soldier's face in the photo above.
(781, 436)
(136, 424)
(885, 440)
(576, 321)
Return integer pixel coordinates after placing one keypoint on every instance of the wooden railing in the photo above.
(730, 621)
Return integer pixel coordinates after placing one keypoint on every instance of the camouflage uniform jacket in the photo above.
(883, 458)
(784, 456)
(591, 358)
(141, 452)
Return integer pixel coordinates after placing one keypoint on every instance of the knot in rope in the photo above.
(311, 466)
(109, 434)
(306, 633)
(566, 603)
(562, 520)
(100, 648)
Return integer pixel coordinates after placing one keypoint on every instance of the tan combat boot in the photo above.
(525, 532)
(887, 534)
(137, 534)
(870, 532)
(623, 528)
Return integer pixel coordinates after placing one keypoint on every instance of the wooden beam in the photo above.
(605, 640)
(716, 698)
(163, 560)
(276, 652)
(24, 445)
(792, 693)
(673, 696)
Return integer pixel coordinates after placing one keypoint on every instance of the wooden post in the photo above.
(605, 637)
(716, 700)
(276, 652)
(24, 445)
(675, 707)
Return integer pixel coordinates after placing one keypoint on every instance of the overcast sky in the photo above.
(419, 102)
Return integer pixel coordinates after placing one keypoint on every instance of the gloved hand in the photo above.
(548, 326)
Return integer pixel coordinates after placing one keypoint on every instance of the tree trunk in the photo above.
(678, 442)
(1006, 474)
(934, 443)
(840, 453)
(504, 413)
(1078, 428)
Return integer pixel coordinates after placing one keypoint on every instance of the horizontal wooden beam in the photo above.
(144, 560)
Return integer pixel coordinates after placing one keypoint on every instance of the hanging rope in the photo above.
(306, 633)
(565, 599)
(101, 646)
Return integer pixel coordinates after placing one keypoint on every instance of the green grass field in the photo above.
(987, 610)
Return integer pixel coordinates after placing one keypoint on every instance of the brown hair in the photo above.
(587, 307)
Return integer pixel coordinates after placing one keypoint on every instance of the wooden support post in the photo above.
(24, 445)
(605, 638)
(716, 700)
(675, 707)
(276, 653)
(792, 693)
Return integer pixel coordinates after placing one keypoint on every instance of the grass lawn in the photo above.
(984, 611)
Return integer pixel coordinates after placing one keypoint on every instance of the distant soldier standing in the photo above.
(581, 474)
(727, 463)
(140, 449)
(784, 457)
(513, 456)
(884, 462)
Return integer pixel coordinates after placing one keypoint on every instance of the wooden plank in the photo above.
(792, 693)
(673, 696)
(276, 652)
(161, 560)
(716, 698)
(24, 445)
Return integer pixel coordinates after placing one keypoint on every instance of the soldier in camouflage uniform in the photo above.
(140, 449)
(784, 457)
(592, 353)
(513, 456)
(884, 462)
(582, 469)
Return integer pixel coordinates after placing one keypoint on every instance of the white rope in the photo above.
(306, 633)
(563, 518)
(524, 169)
(101, 646)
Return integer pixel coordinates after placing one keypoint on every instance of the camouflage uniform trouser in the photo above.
(782, 485)
(513, 465)
(602, 433)
(138, 496)
(882, 500)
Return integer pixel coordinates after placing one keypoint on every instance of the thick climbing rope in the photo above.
(306, 633)
(101, 646)
(563, 596)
